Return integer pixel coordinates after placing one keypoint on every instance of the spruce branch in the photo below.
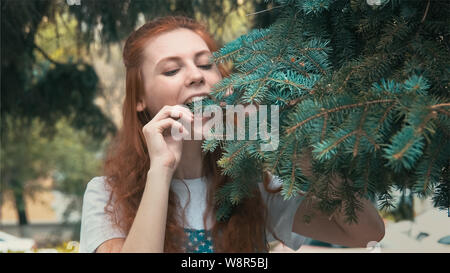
(329, 146)
(440, 105)
(324, 127)
(442, 111)
(260, 86)
(354, 70)
(371, 140)
(290, 191)
(359, 132)
(279, 155)
(219, 58)
(304, 52)
(385, 115)
(288, 82)
(371, 106)
(265, 10)
(426, 12)
(433, 159)
(290, 130)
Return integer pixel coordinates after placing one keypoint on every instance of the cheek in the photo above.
(161, 92)
(214, 77)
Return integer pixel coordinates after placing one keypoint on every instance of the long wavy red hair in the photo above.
(127, 162)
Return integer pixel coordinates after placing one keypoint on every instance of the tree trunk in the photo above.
(19, 199)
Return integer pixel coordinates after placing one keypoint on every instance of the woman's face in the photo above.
(176, 68)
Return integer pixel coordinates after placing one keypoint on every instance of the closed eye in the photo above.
(171, 72)
(206, 67)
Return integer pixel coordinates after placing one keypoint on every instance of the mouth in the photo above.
(194, 99)
(190, 101)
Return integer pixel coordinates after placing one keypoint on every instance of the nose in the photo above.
(195, 76)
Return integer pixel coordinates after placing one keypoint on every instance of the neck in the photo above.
(190, 165)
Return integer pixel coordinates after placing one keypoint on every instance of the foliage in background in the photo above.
(71, 157)
(77, 158)
(23, 159)
(49, 90)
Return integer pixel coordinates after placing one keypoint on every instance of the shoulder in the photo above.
(96, 183)
(277, 198)
(96, 188)
(96, 196)
(276, 202)
(96, 224)
(274, 184)
(281, 213)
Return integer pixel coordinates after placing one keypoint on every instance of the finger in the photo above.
(183, 108)
(173, 126)
(185, 118)
(167, 123)
(229, 91)
(166, 112)
(171, 112)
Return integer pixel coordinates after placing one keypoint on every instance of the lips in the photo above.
(195, 98)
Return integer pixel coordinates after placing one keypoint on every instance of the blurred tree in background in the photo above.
(24, 158)
(70, 157)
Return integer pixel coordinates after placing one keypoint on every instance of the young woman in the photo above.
(157, 194)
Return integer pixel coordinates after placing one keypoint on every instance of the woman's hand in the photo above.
(165, 149)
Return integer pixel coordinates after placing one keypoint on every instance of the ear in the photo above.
(140, 106)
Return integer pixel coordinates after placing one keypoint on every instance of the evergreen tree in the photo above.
(363, 92)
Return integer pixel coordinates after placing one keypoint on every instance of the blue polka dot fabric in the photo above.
(199, 241)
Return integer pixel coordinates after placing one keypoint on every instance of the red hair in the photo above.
(127, 161)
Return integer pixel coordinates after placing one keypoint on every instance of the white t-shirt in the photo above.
(96, 226)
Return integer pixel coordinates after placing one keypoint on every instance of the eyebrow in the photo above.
(198, 54)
